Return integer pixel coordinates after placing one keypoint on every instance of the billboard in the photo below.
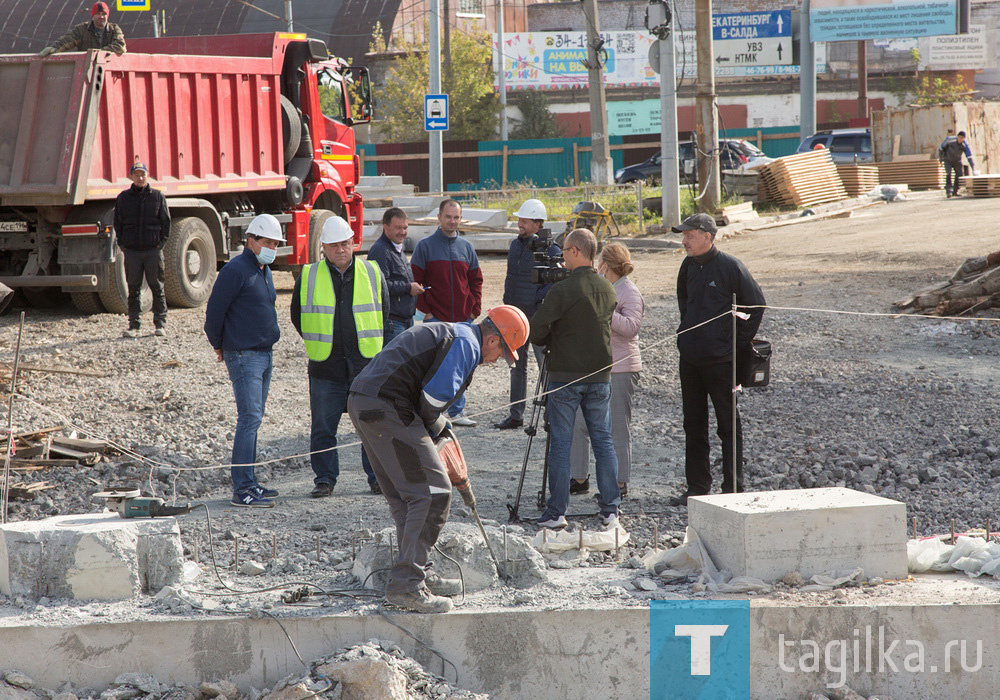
(850, 20)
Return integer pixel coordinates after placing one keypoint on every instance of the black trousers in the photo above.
(952, 170)
(146, 264)
(698, 384)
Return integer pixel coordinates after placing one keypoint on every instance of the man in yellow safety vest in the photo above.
(340, 307)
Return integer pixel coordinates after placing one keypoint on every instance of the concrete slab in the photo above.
(770, 533)
(385, 192)
(100, 556)
(485, 217)
(380, 181)
(427, 202)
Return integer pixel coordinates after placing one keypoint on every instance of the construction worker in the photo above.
(388, 252)
(520, 291)
(950, 153)
(98, 33)
(398, 405)
(242, 326)
(340, 306)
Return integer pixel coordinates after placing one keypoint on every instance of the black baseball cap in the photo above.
(703, 222)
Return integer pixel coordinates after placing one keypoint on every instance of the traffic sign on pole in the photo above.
(436, 113)
(753, 38)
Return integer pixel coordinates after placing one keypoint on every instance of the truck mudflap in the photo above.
(86, 249)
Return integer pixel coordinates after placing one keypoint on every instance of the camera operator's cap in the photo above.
(336, 230)
(531, 209)
(702, 222)
(512, 325)
(265, 226)
(138, 166)
(99, 7)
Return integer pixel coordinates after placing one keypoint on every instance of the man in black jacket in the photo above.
(387, 252)
(142, 224)
(706, 283)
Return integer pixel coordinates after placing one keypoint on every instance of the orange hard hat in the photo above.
(512, 325)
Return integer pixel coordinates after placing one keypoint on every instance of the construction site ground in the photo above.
(912, 397)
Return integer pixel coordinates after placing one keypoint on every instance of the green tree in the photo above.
(473, 101)
(536, 121)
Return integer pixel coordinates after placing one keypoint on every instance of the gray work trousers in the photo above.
(519, 380)
(148, 265)
(623, 385)
(413, 481)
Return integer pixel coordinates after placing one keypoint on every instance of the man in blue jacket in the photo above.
(387, 252)
(242, 325)
(950, 152)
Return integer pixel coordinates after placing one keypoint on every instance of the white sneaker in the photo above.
(463, 421)
(610, 520)
(554, 523)
(160, 332)
(130, 333)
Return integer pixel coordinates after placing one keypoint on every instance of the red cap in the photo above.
(100, 7)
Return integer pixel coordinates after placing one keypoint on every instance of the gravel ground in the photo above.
(899, 407)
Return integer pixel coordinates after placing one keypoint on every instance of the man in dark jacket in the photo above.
(706, 283)
(950, 152)
(98, 33)
(574, 323)
(339, 306)
(142, 224)
(387, 252)
(520, 291)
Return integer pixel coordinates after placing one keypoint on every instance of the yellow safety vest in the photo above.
(318, 303)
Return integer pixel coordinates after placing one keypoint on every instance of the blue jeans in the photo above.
(394, 328)
(594, 400)
(328, 402)
(250, 373)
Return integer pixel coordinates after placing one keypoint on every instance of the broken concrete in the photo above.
(98, 556)
(767, 534)
(523, 566)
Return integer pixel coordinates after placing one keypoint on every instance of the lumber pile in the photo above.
(735, 213)
(981, 185)
(974, 286)
(800, 180)
(923, 174)
(858, 179)
(38, 450)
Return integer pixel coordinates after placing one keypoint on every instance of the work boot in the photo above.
(443, 586)
(131, 332)
(322, 490)
(576, 487)
(375, 488)
(509, 424)
(420, 600)
(160, 332)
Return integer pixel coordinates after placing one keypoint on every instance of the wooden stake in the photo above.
(274, 546)
(580, 545)
(236, 554)
(953, 531)
(319, 550)
(656, 535)
(914, 528)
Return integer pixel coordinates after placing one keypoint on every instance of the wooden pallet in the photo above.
(858, 179)
(981, 185)
(919, 175)
(801, 180)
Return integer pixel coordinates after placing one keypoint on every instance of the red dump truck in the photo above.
(229, 126)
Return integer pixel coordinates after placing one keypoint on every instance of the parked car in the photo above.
(845, 145)
(732, 154)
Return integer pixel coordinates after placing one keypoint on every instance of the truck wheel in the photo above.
(291, 128)
(87, 302)
(189, 268)
(115, 297)
(316, 221)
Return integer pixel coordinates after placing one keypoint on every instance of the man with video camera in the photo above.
(574, 324)
(532, 248)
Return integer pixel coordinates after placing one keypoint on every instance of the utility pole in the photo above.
(807, 76)
(862, 79)
(706, 116)
(660, 24)
(288, 15)
(600, 155)
(436, 173)
(502, 75)
(446, 8)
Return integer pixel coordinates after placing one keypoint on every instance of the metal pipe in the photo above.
(50, 281)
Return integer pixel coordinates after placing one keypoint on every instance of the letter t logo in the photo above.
(701, 645)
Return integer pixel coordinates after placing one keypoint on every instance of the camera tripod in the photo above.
(538, 414)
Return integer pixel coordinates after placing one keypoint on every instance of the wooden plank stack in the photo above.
(982, 185)
(735, 213)
(801, 180)
(858, 179)
(924, 174)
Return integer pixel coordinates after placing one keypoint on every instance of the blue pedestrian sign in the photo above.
(436, 113)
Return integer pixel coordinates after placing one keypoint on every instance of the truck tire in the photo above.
(291, 128)
(316, 221)
(87, 302)
(115, 297)
(189, 268)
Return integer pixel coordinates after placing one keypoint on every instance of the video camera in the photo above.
(546, 269)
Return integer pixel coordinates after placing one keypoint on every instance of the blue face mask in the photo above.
(266, 255)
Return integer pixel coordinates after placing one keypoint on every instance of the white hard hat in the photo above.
(336, 230)
(265, 226)
(531, 209)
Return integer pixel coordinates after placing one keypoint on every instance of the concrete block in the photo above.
(423, 202)
(485, 217)
(770, 533)
(380, 181)
(97, 556)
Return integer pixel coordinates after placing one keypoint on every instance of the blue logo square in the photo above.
(699, 649)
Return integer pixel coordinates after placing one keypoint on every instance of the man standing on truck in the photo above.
(142, 224)
(98, 33)
(242, 325)
(340, 306)
(447, 267)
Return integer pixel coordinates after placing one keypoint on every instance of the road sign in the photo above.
(436, 114)
(753, 38)
(133, 5)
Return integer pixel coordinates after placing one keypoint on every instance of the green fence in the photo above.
(540, 162)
